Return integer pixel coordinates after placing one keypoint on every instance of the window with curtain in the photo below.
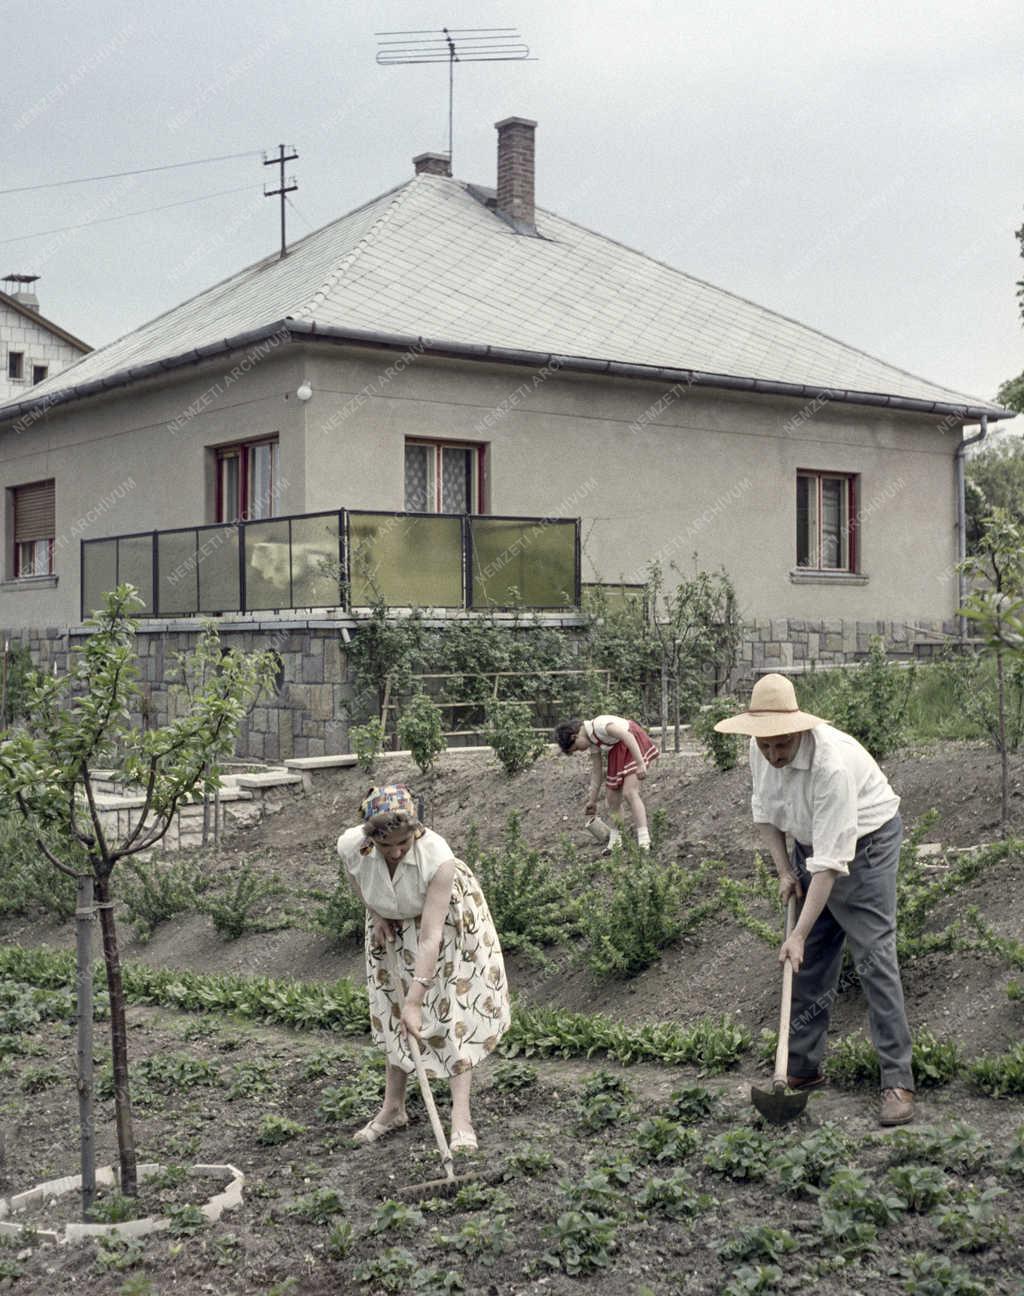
(443, 477)
(34, 529)
(826, 521)
(248, 481)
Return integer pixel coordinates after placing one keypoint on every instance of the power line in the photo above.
(125, 215)
(116, 175)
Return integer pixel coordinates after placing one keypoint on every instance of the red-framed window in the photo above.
(248, 480)
(444, 477)
(826, 520)
(34, 529)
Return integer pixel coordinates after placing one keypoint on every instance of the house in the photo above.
(452, 396)
(32, 348)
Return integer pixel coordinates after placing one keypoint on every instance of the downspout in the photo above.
(961, 518)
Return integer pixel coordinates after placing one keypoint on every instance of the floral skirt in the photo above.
(466, 1010)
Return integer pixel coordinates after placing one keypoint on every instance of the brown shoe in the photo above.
(803, 1083)
(897, 1107)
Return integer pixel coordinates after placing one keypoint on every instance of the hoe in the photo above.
(776, 1105)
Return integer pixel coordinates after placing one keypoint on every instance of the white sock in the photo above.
(643, 839)
(614, 838)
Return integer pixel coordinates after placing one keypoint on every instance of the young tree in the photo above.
(996, 607)
(82, 721)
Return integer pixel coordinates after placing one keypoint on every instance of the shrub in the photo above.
(341, 915)
(157, 891)
(723, 749)
(420, 729)
(646, 906)
(29, 883)
(870, 701)
(531, 905)
(235, 913)
(367, 742)
(510, 732)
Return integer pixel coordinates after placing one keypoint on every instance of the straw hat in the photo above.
(773, 711)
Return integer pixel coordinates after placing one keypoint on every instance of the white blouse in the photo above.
(597, 733)
(404, 895)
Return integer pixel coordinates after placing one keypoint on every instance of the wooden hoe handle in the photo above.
(782, 1049)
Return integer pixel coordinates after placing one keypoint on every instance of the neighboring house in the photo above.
(32, 348)
(468, 358)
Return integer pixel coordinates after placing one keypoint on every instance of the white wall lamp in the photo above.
(304, 391)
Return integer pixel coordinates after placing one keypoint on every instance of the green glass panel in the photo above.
(217, 552)
(616, 598)
(99, 572)
(316, 579)
(268, 583)
(135, 566)
(177, 561)
(517, 562)
(409, 561)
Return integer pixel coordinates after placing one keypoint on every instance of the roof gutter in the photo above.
(302, 331)
(959, 460)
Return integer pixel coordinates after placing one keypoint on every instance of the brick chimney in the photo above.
(515, 173)
(432, 164)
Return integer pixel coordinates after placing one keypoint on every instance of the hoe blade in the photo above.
(776, 1105)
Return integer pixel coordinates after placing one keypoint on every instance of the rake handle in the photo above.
(785, 1009)
(421, 1075)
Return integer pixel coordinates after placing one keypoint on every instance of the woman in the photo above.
(630, 752)
(429, 904)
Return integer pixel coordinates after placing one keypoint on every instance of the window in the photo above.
(16, 365)
(826, 521)
(39, 372)
(443, 477)
(248, 481)
(33, 529)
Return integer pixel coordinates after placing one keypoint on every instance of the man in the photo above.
(821, 786)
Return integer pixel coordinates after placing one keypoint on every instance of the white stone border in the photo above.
(106, 1177)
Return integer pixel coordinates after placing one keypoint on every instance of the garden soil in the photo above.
(267, 1248)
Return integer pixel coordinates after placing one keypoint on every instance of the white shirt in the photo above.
(404, 895)
(830, 794)
(597, 733)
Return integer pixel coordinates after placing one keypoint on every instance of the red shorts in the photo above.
(620, 758)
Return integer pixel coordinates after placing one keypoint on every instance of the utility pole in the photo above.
(282, 157)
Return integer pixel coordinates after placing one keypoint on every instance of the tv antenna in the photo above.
(286, 186)
(453, 45)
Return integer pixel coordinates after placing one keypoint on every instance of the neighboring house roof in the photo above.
(7, 300)
(432, 261)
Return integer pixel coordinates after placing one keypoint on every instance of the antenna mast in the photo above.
(453, 45)
(285, 189)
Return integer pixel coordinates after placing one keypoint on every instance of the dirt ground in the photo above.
(261, 1071)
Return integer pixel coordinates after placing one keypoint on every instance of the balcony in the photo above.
(345, 558)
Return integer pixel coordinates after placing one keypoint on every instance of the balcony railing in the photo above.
(345, 558)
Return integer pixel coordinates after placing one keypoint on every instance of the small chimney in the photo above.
(19, 286)
(432, 164)
(515, 173)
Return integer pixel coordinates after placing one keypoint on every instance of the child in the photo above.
(429, 906)
(630, 752)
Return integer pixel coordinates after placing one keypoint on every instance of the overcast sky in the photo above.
(856, 166)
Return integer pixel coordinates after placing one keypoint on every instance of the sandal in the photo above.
(377, 1129)
(463, 1140)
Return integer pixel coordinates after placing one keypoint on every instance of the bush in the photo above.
(870, 701)
(367, 741)
(158, 891)
(342, 915)
(531, 906)
(420, 729)
(235, 913)
(510, 732)
(29, 883)
(723, 749)
(645, 907)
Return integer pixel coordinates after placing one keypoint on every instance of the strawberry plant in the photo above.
(760, 1243)
(580, 1242)
(742, 1153)
(673, 1198)
(660, 1139)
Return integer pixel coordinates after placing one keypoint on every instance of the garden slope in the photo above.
(723, 970)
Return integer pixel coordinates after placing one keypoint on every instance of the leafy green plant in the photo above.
(186, 1221)
(510, 732)
(527, 1163)
(870, 702)
(723, 749)
(690, 1105)
(1014, 1164)
(935, 1061)
(937, 1276)
(274, 1130)
(340, 1240)
(252, 1079)
(113, 1208)
(18, 671)
(367, 742)
(852, 1062)
(593, 1191)
(1002, 1074)
(961, 1148)
(157, 890)
(342, 914)
(35, 1079)
(580, 1242)
(29, 883)
(420, 729)
(973, 1222)
(317, 1207)
(604, 1100)
(742, 1153)
(660, 1139)
(759, 1243)
(851, 1192)
(803, 1167)
(531, 905)
(746, 1279)
(236, 912)
(392, 1271)
(922, 1187)
(645, 906)
(673, 1198)
(396, 1217)
(484, 1239)
(513, 1077)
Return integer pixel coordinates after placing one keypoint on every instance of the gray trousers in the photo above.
(862, 910)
